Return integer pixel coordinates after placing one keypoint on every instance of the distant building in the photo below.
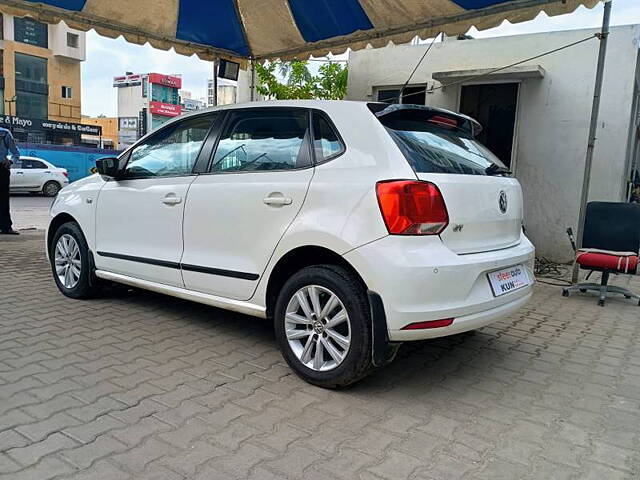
(40, 81)
(145, 101)
(227, 93)
(109, 137)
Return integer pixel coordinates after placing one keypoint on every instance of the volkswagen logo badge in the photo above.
(502, 201)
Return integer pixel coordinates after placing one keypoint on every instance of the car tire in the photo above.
(301, 348)
(51, 189)
(71, 264)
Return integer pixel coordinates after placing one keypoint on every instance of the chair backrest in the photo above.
(612, 226)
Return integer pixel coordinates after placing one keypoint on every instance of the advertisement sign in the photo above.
(127, 81)
(128, 123)
(166, 80)
(165, 109)
(39, 124)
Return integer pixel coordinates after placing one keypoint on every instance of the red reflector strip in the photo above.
(445, 322)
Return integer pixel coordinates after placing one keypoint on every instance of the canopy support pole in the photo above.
(215, 82)
(593, 128)
(253, 80)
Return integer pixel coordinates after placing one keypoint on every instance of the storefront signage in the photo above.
(38, 124)
(127, 81)
(166, 80)
(165, 109)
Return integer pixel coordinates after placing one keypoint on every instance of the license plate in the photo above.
(508, 280)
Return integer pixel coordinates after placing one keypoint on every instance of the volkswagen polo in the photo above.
(354, 226)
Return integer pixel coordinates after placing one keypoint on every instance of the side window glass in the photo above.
(263, 140)
(170, 152)
(326, 142)
(16, 165)
(37, 164)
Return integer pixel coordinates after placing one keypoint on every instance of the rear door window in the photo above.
(434, 143)
(264, 140)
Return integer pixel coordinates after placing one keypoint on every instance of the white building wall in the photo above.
(552, 120)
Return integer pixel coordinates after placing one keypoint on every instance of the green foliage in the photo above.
(329, 84)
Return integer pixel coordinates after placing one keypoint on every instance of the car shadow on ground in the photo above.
(440, 362)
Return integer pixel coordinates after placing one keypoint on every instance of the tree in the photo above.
(329, 84)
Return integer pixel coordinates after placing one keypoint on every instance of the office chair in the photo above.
(610, 245)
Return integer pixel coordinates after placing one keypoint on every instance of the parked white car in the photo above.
(36, 175)
(354, 226)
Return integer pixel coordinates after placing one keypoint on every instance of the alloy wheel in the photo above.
(68, 262)
(318, 328)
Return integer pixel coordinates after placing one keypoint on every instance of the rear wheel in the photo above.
(70, 262)
(323, 326)
(51, 188)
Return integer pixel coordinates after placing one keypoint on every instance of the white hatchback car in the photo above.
(36, 175)
(355, 226)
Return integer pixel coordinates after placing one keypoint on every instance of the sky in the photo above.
(107, 58)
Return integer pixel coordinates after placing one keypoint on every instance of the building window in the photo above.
(32, 90)
(1, 27)
(66, 92)
(410, 95)
(73, 40)
(28, 30)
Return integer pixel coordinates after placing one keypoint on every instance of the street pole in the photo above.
(215, 82)
(593, 128)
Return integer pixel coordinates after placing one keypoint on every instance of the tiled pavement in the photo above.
(136, 385)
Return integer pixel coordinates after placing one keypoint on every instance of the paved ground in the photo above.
(30, 211)
(135, 385)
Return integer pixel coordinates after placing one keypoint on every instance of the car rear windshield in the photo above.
(432, 143)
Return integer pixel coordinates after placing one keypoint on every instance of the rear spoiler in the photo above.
(464, 123)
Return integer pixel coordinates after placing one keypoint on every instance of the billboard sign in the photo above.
(127, 81)
(166, 80)
(165, 109)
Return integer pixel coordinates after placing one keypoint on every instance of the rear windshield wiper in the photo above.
(495, 169)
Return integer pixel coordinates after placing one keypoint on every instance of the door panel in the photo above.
(142, 218)
(231, 224)
(17, 179)
(236, 215)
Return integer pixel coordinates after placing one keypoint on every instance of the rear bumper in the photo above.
(420, 279)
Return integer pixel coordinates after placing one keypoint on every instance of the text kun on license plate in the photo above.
(508, 279)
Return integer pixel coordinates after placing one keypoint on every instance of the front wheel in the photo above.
(323, 326)
(51, 189)
(70, 262)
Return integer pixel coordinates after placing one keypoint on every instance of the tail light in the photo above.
(412, 207)
(65, 173)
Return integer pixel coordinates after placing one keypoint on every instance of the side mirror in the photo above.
(108, 167)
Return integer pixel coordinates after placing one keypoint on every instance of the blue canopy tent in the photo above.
(260, 29)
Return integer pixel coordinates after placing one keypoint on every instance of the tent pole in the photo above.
(604, 34)
(215, 82)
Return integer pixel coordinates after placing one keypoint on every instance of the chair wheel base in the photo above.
(565, 292)
(601, 302)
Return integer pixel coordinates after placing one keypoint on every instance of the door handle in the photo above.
(171, 200)
(19, 173)
(277, 200)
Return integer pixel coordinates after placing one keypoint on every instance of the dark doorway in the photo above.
(494, 106)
